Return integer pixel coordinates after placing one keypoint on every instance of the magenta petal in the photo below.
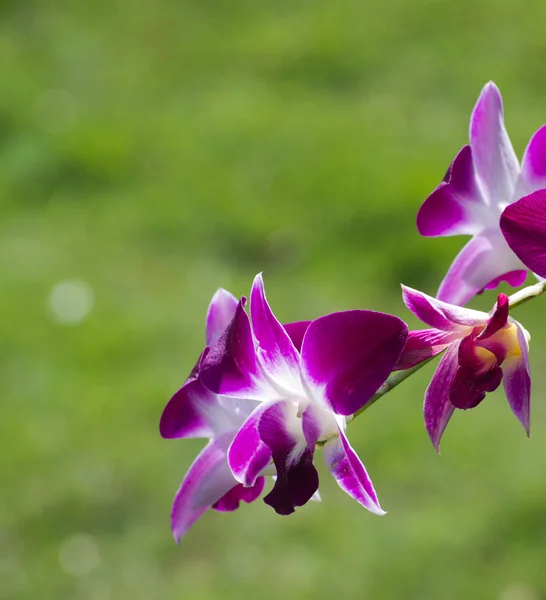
(532, 176)
(517, 381)
(494, 158)
(454, 208)
(513, 278)
(438, 406)
(347, 356)
(277, 353)
(220, 314)
(439, 314)
(498, 319)
(486, 258)
(206, 482)
(350, 474)
(231, 367)
(296, 331)
(186, 412)
(230, 501)
(523, 225)
(248, 455)
(423, 344)
(297, 478)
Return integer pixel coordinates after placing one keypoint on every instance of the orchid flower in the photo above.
(308, 384)
(195, 412)
(481, 350)
(523, 225)
(483, 179)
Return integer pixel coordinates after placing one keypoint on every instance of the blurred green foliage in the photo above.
(151, 152)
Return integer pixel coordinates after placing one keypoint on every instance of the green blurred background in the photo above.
(152, 151)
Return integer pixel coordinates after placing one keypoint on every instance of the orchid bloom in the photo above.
(308, 384)
(523, 225)
(481, 351)
(195, 412)
(483, 179)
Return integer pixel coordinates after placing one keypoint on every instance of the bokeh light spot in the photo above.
(71, 301)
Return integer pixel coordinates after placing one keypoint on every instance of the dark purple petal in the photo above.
(185, 415)
(207, 480)
(423, 344)
(486, 259)
(498, 319)
(523, 225)
(231, 367)
(248, 455)
(455, 207)
(478, 373)
(230, 501)
(440, 314)
(517, 380)
(296, 331)
(467, 391)
(347, 356)
(532, 175)
(494, 158)
(438, 407)
(350, 474)
(275, 349)
(297, 478)
(220, 314)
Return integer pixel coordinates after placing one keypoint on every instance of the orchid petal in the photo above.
(230, 414)
(523, 225)
(316, 497)
(514, 278)
(517, 380)
(231, 367)
(230, 501)
(292, 452)
(248, 455)
(498, 319)
(423, 344)
(296, 330)
(347, 356)
(455, 207)
(477, 374)
(438, 406)
(440, 314)
(486, 259)
(532, 176)
(221, 311)
(185, 413)
(206, 482)
(349, 472)
(277, 353)
(494, 158)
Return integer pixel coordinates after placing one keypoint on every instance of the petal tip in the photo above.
(491, 89)
(377, 510)
(258, 280)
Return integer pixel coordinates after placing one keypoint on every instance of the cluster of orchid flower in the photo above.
(268, 395)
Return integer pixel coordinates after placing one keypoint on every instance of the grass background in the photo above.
(158, 150)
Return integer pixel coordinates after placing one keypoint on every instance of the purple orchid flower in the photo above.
(523, 225)
(484, 178)
(481, 351)
(309, 379)
(195, 412)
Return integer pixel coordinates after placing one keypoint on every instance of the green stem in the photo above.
(396, 378)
